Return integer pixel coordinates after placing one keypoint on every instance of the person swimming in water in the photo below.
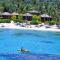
(23, 50)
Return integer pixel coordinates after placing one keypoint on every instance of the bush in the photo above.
(17, 20)
(13, 17)
(35, 20)
(51, 22)
(4, 20)
(20, 19)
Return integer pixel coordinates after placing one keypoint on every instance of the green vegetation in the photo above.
(35, 19)
(17, 20)
(20, 19)
(51, 22)
(51, 7)
(5, 20)
(13, 17)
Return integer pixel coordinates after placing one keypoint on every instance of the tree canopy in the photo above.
(51, 7)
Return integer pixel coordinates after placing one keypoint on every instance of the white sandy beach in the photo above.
(13, 26)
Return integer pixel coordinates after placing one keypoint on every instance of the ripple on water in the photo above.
(29, 57)
(49, 42)
(28, 34)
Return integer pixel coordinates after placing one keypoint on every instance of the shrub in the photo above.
(4, 20)
(13, 17)
(51, 22)
(35, 20)
(17, 20)
(20, 19)
(35, 23)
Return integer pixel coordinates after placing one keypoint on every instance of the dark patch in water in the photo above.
(57, 34)
(22, 34)
(18, 34)
(1, 30)
(50, 42)
(30, 57)
(39, 36)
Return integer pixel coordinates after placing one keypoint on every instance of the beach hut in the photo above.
(34, 12)
(15, 14)
(45, 17)
(6, 15)
(27, 16)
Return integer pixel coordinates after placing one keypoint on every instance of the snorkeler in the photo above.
(23, 50)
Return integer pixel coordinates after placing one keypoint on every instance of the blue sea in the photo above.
(42, 45)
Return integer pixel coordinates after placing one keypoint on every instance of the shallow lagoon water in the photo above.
(37, 42)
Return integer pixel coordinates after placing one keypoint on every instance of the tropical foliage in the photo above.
(5, 20)
(35, 19)
(51, 22)
(51, 7)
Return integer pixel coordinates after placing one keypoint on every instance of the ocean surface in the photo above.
(41, 45)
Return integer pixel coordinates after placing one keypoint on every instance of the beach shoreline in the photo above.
(13, 26)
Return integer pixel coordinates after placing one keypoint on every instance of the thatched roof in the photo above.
(45, 15)
(5, 13)
(27, 14)
(14, 13)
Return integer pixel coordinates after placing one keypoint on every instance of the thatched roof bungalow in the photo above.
(6, 15)
(27, 16)
(15, 14)
(45, 17)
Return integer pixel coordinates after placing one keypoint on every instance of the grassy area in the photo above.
(5, 20)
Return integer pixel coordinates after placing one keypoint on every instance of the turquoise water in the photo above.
(38, 42)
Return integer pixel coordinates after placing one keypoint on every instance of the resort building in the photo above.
(27, 16)
(45, 17)
(7, 15)
(15, 14)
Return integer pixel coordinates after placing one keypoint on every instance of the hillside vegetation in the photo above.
(51, 7)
